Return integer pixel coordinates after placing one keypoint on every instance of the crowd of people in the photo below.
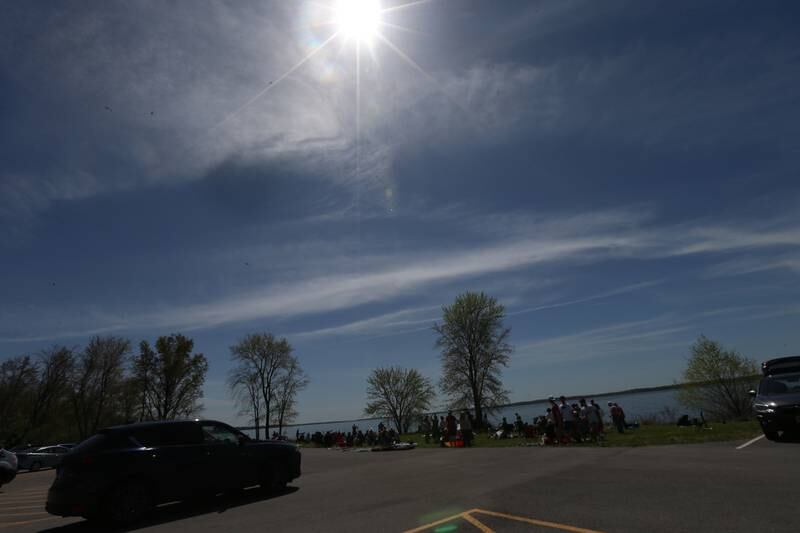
(563, 423)
(447, 430)
(356, 437)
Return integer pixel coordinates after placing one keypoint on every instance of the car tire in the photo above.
(128, 504)
(772, 435)
(35, 466)
(273, 480)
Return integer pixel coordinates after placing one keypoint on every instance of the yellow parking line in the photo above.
(25, 522)
(554, 525)
(438, 522)
(477, 523)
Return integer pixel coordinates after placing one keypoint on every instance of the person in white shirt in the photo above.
(568, 416)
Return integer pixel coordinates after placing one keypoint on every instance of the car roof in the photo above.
(156, 424)
(781, 365)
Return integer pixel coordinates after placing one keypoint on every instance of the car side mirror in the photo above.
(752, 392)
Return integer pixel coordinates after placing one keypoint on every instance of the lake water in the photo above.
(637, 405)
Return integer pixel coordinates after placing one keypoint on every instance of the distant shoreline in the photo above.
(512, 404)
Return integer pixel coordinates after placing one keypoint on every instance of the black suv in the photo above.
(777, 401)
(121, 473)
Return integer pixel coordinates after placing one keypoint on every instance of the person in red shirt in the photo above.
(617, 417)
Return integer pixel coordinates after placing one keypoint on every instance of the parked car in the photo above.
(777, 400)
(121, 473)
(38, 458)
(8, 467)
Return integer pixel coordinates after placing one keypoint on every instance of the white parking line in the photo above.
(751, 441)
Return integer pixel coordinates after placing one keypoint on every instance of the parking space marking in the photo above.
(26, 522)
(439, 522)
(14, 508)
(468, 516)
(533, 521)
(748, 443)
(477, 523)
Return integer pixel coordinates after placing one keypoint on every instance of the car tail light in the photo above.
(87, 460)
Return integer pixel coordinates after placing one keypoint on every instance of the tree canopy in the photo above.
(718, 380)
(474, 349)
(398, 394)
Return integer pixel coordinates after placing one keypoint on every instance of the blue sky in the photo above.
(623, 176)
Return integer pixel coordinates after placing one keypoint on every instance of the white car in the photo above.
(41, 457)
(8, 467)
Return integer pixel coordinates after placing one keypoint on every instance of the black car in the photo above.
(122, 472)
(777, 401)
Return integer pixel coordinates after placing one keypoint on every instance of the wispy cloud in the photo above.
(381, 324)
(387, 276)
(600, 296)
(749, 265)
(660, 333)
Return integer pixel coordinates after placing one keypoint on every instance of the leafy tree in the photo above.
(171, 377)
(262, 357)
(96, 383)
(474, 348)
(290, 382)
(718, 380)
(399, 394)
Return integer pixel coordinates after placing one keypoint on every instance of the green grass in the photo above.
(649, 435)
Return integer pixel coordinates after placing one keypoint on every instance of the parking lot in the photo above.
(672, 488)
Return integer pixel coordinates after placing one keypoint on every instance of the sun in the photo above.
(358, 19)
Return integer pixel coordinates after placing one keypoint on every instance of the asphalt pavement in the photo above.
(708, 487)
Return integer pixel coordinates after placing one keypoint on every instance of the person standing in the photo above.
(558, 421)
(450, 423)
(616, 417)
(599, 411)
(568, 417)
(465, 421)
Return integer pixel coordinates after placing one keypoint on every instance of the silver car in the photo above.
(47, 456)
(8, 466)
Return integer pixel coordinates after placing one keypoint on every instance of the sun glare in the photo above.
(358, 19)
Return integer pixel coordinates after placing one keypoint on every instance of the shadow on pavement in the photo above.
(181, 510)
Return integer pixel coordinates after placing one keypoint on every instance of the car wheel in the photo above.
(128, 504)
(772, 435)
(36, 465)
(273, 480)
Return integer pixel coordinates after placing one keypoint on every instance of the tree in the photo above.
(18, 377)
(54, 368)
(399, 394)
(474, 348)
(290, 382)
(718, 380)
(96, 383)
(144, 368)
(171, 377)
(245, 389)
(262, 357)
